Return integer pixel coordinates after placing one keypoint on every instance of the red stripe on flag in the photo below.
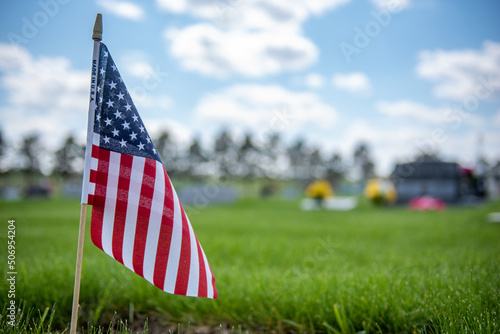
(143, 213)
(213, 281)
(95, 151)
(202, 283)
(99, 197)
(121, 206)
(93, 176)
(165, 238)
(182, 281)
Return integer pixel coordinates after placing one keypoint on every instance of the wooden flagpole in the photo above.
(97, 37)
(78, 271)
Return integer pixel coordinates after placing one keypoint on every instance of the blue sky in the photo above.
(402, 75)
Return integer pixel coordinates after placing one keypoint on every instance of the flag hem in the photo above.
(90, 122)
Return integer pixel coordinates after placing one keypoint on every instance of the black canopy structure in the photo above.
(428, 177)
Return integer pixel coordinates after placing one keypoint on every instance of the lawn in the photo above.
(277, 269)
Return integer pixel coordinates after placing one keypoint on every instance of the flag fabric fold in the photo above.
(137, 218)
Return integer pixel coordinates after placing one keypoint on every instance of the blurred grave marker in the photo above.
(205, 194)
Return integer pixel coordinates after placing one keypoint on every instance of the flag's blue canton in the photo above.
(116, 119)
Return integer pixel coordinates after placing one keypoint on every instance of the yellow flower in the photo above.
(380, 191)
(319, 189)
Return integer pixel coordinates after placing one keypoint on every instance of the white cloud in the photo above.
(211, 51)
(181, 134)
(415, 111)
(251, 14)
(49, 97)
(387, 143)
(411, 110)
(44, 95)
(140, 69)
(40, 82)
(392, 142)
(314, 80)
(463, 74)
(251, 38)
(355, 82)
(265, 108)
(152, 104)
(144, 82)
(135, 63)
(496, 119)
(463, 147)
(125, 9)
(394, 6)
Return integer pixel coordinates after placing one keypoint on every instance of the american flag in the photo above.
(137, 218)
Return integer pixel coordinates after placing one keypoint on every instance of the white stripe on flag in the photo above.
(91, 190)
(96, 139)
(175, 246)
(91, 185)
(194, 269)
(132, 208)
(110, 205)
(93, 163)
(154, 223)
(90, 163)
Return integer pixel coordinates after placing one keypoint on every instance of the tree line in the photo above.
(225, 157)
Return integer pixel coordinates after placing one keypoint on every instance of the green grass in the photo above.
(277, 268)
